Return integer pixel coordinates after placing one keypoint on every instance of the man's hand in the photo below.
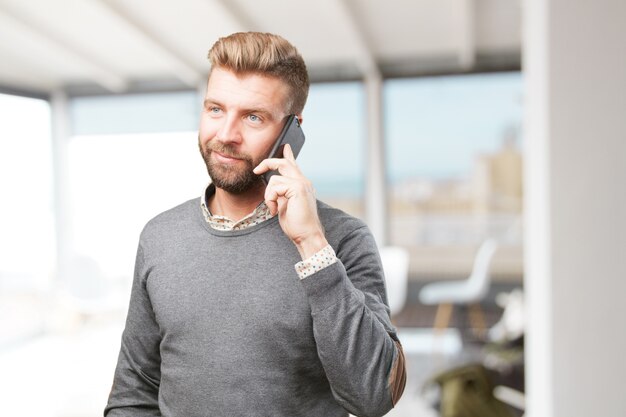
(292, 196)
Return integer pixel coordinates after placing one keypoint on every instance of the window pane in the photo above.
(119, 182)
(454, 164)
(26, 223)
(135, 113)
(333, 155)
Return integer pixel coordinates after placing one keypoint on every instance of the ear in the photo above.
(299, 116)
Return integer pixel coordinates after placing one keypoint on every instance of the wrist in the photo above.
(311, 244)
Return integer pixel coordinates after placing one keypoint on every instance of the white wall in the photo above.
(575, 69)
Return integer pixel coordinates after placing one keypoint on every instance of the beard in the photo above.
(235, 179)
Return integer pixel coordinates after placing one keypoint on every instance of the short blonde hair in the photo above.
(266, 54)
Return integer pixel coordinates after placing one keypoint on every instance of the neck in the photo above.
(235, 206)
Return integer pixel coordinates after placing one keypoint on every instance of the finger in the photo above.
(279, 179)
(288, 153)
(261, 168)
(282, 205)
(273, 195)
(272, 206)
(291, 186)
(266, 165)
(283, 166)
(276, 190)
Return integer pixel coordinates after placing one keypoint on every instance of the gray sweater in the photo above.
(220, 325)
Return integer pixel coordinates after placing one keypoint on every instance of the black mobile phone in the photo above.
(291, 134)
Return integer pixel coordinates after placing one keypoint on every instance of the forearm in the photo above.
(133, 393)
(358, 354)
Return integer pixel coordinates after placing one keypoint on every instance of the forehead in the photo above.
(249, 90)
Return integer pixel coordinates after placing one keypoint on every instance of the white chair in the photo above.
(469, 292)
(395, 261)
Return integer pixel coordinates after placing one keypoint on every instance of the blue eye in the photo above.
(215, 110)
(254, 118)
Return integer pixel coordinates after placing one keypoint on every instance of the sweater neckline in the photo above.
(232, 233)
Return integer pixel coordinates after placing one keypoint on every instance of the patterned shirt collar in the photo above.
(258, 215)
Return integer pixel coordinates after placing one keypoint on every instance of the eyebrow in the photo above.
(208, 101)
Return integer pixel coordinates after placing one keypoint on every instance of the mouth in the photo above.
(220, 157)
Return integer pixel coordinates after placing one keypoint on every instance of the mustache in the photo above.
(227, 150)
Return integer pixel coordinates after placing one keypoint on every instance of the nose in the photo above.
(229, 131)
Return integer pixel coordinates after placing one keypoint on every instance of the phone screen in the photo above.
(291, 134)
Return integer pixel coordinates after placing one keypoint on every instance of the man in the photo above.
(256, 299)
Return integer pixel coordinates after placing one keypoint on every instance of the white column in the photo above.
(60, 135)
(201, 92)
(575, 175)
(376, 185)
(467, 32)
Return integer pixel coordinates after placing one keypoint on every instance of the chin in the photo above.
(236, 183)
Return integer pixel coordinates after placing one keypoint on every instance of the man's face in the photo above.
(242, 116)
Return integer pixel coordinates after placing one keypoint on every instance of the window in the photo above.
(118, 182)
(454, 160)
(333, 157)
(27, 223)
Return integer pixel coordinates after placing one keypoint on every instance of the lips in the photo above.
(225, 158)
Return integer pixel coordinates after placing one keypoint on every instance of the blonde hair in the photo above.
(266, 54)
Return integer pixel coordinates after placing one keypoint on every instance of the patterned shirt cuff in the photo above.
(317, 262)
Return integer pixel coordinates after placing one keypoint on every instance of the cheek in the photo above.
(261, 142)
(208, 129)
(261, 148)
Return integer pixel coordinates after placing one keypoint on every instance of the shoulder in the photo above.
(173, 221)
(340, 225)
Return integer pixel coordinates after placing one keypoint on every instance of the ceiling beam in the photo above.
(23, 69)
(98, 71)
(232, 9)
(366, 62)
(183, 69)
(17, 91)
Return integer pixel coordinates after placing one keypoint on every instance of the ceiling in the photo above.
(117, 46)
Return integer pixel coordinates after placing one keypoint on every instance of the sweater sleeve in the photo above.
(356, 343)
(137, 375)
